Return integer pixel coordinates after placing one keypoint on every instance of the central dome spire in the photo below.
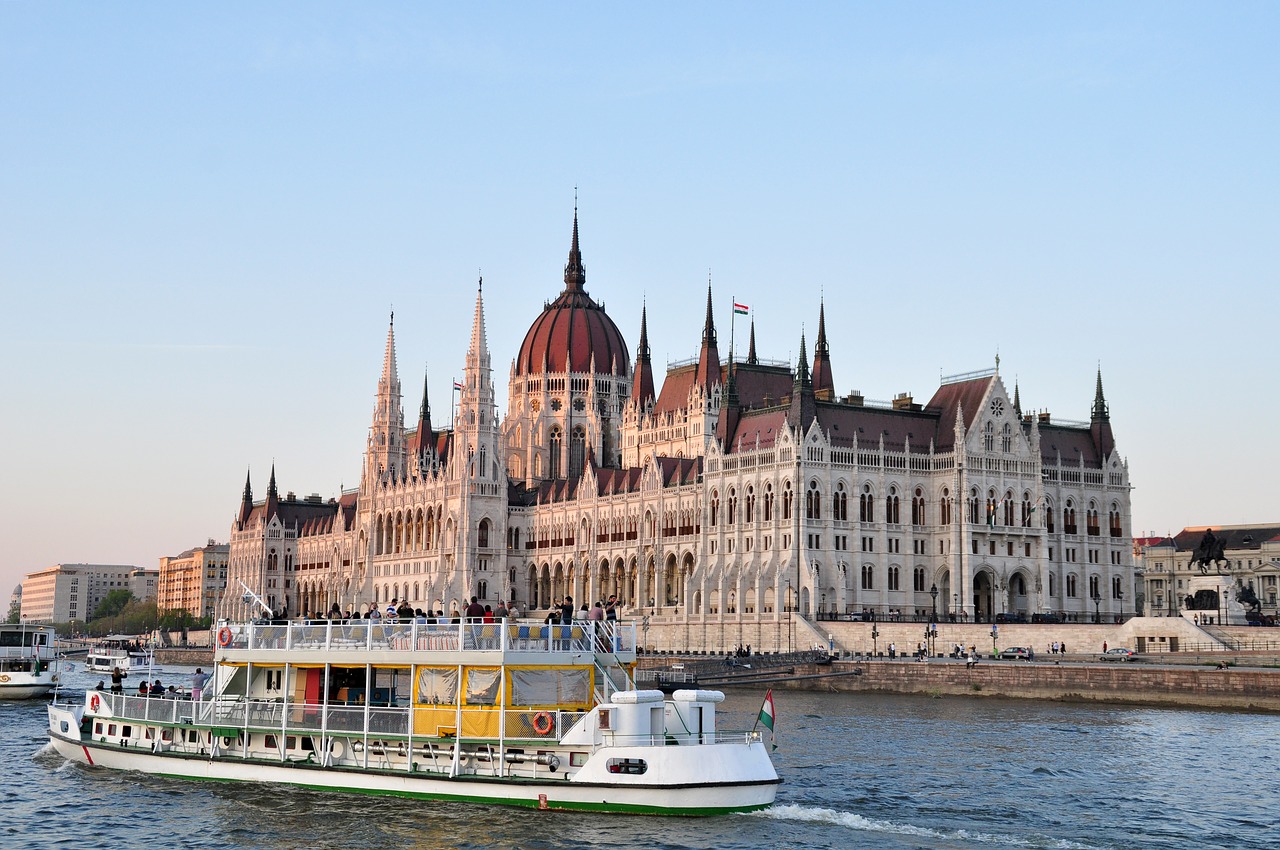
(575, 273)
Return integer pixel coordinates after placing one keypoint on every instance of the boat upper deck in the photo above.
(528, 639)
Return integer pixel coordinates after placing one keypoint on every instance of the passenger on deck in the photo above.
(117, 680)
(475, 611)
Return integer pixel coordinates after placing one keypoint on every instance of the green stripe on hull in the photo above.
(563, 805)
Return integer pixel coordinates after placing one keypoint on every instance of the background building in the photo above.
(1252, 555)
(194, 580)
(66, 592)
(742, 490)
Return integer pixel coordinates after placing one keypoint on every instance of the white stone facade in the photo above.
(735, 494)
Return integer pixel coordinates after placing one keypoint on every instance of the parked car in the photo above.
(1012, 653)
(1011, 617)
(1046, 618)
(1117, 653)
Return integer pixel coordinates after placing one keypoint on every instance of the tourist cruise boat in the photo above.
(28, 661)
(124, 651)
(517, 713)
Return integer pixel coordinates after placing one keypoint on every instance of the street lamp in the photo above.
(995, 634)
(787, 606)
(875, 633)
(823, 606)
(1097, 603)
(933, 594)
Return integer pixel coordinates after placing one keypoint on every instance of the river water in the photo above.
(859, 771)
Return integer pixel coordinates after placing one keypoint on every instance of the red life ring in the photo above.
(224, 636)
(94, 702)
(542, 723)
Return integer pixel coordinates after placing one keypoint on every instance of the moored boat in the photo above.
(124, 651)
(524, 714)
(28, 661)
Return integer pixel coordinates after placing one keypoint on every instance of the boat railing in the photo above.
(267, 715)
(468, 635)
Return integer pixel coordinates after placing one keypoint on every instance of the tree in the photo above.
(112, 604)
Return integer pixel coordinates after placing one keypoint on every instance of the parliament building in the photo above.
(732, 490)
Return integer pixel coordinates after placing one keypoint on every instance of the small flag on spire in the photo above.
(740, 309)
(767, 714)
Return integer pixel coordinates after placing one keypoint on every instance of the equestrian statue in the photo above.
(1210, 550)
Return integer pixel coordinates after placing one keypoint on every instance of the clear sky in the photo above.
(207, 212)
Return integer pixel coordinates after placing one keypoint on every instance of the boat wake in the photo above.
(849, 820)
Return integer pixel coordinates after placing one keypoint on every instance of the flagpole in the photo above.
(733, 315)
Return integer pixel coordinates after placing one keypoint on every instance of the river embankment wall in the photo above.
(1234, 688)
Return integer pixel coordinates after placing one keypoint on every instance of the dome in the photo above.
(573, 329)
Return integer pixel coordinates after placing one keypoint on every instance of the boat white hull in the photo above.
(619, 795)
(26, 690)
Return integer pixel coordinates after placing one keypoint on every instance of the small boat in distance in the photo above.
(28, 661)
(127, 652)
(510, 712)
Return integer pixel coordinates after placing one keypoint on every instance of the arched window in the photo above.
(866, 505)
(482, 534)
(577, 452)
(918, 580)
(399, 529)
(715, 508)
(1069, 518)
(1026, 510)
(891, 514)
(989, 437)
(1052, 585)
(733, 506)
(1006, 438)
(1071, 586)
(1091, 520)
(556, 442)
(1113, 521)
(786, 500)
(993, 509)
(868, 577)
(768, 503)
(944, 507)
(1008, 507)
(917, 508)
(751, 506)
(1048, 516)
(377, 536)
(813, 502)
(840, 503)
(973, 506)
(893, 579)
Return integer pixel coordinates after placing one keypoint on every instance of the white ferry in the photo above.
(28, 661)
(124, 651)
(517, 713)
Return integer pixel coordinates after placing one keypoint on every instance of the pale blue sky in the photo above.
(207, 212)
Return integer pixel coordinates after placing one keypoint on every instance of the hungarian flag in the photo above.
(767, 714)
(457, 387)
(740, 309)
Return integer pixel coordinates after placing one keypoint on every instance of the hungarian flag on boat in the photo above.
(740, 309)
(767, 713)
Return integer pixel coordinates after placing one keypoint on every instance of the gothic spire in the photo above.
(389, 375)
(708, 374)
(246, 501)
(823, 384)
(479, 339)
(802, 366)
(575, 273)
(248, 486)
(642, 377)
(1017, 402)
(1100, 411)
(751, 346)
(272, 493)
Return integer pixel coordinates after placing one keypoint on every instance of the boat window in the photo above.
(437, 685)
(482, 686)
(111, 729)
(578, 759)
(97, 728)
(562, 686)
(634, 767)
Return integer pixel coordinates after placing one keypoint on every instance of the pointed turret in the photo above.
(426, 437)
(642, 378)
(575, 273)
(1017, 401)
(823, 384)
(246, 501)
(708, 374)
(273, 495)
(802, 401)
(385, 451)
(1100, 422)
(1100, 411)
(751, 346)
